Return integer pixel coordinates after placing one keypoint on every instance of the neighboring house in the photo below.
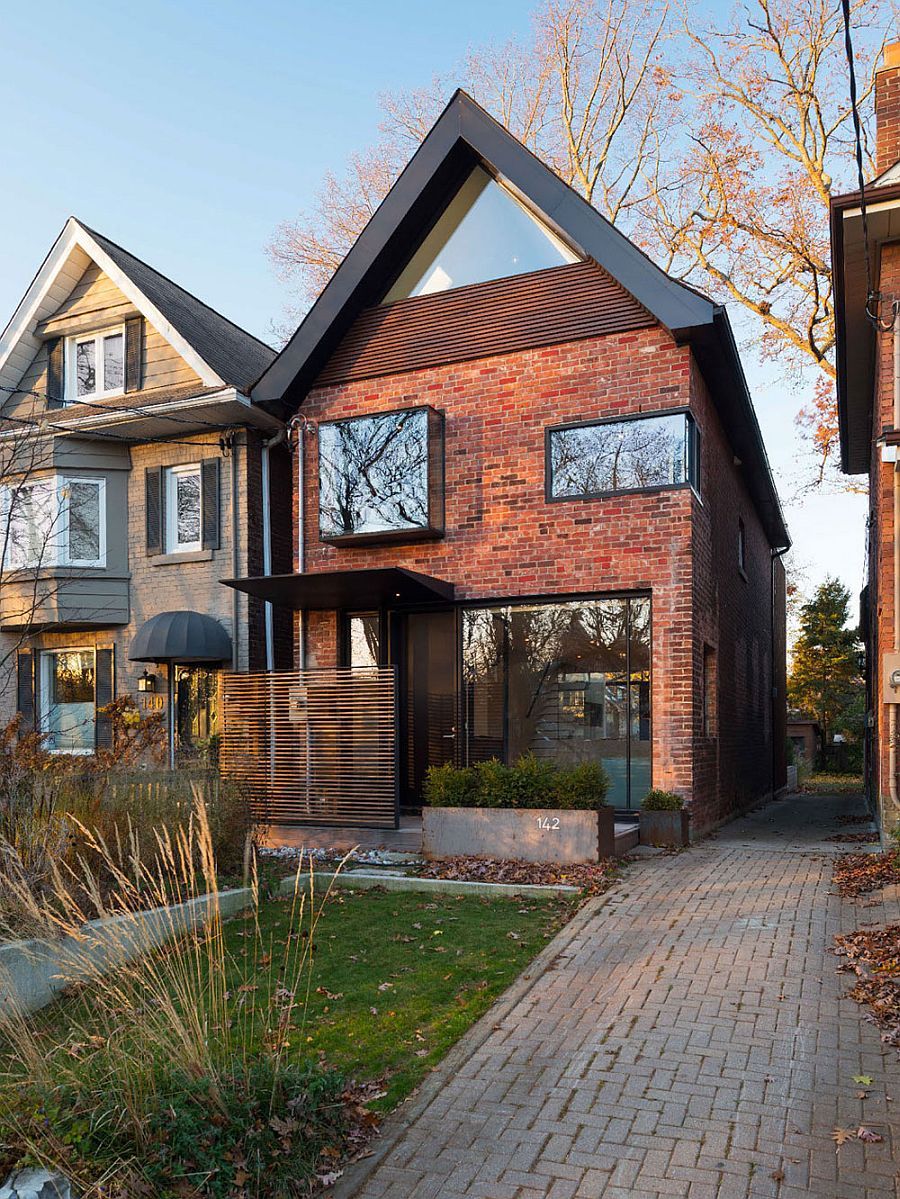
(806, 738)
(868, 389)
(532, 478)
(132, 475)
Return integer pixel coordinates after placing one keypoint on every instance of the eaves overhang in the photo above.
(855, 340)
(716, 352)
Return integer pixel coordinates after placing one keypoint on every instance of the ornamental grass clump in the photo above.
(161, 1075)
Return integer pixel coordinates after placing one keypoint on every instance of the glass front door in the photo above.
(429, 691)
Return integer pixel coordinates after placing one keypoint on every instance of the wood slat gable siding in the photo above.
(95, 299)
(546, 307)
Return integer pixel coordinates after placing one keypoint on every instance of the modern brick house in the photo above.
(528, 472)
(867, 304)
(132, 472)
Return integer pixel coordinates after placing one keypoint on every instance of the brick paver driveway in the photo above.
(685, 1035)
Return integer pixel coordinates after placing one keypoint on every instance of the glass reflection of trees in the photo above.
(570, 681)
(620, 455)
(373, 474)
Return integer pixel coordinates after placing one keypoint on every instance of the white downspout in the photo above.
(892, 710)
(267, 541)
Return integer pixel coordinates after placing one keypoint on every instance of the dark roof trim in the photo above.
(717, 355)
(464, 135)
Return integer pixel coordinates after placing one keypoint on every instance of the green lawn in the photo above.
(232, 1085)
(398, 977)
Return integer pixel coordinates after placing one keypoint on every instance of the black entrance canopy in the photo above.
(384, 586)
(182, 637)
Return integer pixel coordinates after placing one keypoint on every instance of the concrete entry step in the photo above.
(627, 837)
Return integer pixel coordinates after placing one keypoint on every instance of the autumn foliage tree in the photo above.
(826, 680)
(715, 143)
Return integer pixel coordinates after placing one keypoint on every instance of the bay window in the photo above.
(54, 521)
(639, 453)
(381, 477)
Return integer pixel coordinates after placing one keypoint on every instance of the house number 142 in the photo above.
(547, 822)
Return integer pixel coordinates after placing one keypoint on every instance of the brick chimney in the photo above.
(887, 108)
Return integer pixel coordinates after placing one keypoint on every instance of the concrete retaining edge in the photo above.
(364, 879)
(34, 972)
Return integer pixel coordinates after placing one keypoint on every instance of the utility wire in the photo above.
(872, 297)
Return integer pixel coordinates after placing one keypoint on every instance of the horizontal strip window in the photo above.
(604, 457)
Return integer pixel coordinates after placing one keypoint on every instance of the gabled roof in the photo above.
(220, 352)
(465, 136)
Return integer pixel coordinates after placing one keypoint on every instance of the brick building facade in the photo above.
(868, 364)
(525, 373)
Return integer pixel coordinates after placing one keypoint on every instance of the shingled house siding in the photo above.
(504, 539)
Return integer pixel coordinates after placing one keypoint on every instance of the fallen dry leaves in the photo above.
(857, 873)
(873, 954)
(592, 877)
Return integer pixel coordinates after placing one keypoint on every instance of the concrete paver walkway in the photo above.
(686, 1035)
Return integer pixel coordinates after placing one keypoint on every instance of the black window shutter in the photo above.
(134, 353)
(25, 687)
(209, 490)
(104, 693)
(55, 373)
(154, 508)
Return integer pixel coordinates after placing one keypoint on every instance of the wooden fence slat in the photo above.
(313, 746)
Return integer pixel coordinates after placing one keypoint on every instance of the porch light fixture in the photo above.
(147, 681)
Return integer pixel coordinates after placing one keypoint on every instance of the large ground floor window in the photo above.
(67, 691)
(566, 680)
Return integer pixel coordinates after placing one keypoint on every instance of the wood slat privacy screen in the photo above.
(314, 746)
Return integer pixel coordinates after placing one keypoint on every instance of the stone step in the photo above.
(627, 837)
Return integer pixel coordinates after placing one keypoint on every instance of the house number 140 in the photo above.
(547, 822)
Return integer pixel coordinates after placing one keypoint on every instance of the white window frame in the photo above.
(71, 372)
(100, 484)
(172, 475)
(44, 657)
(56, 550)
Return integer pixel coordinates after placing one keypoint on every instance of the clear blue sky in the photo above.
(187, 131)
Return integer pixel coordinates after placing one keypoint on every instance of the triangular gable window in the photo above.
(484, 233)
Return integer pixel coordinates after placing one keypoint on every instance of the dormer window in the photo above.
(95, 365)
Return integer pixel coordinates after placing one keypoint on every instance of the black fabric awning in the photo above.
(387, 586)
(180, 637)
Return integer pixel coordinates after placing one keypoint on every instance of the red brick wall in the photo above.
(887, 108)
(504, 539)
(881, 533)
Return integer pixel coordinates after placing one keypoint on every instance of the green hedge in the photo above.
(662, 801)
(532, 782)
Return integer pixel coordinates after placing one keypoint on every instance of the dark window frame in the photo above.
(694, 465)
(436, 482)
